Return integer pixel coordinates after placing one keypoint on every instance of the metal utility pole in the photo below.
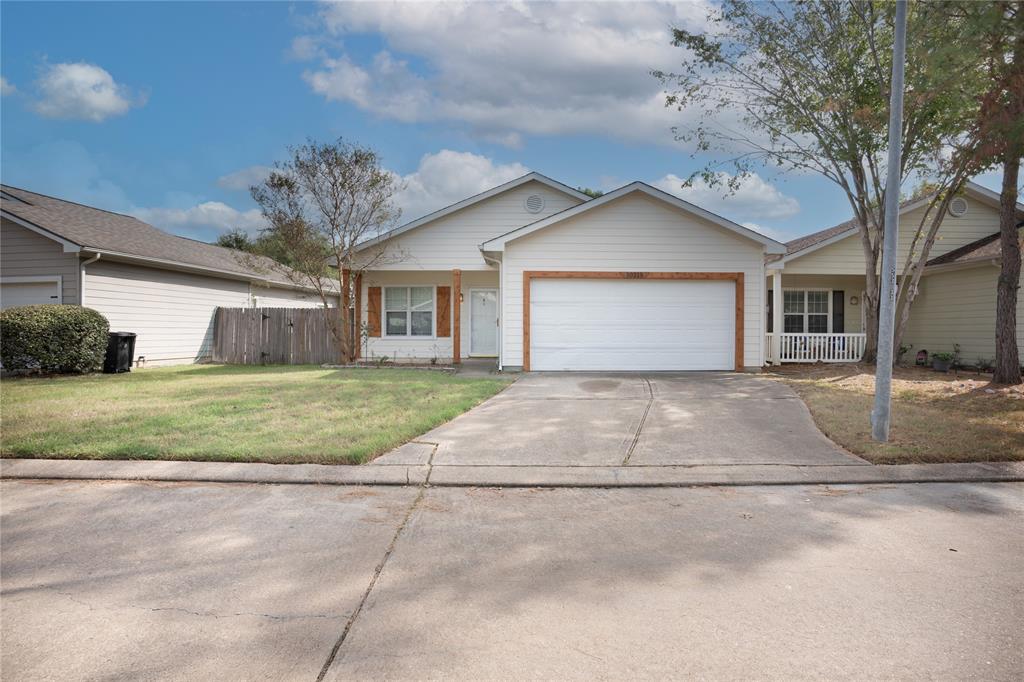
(880, 416)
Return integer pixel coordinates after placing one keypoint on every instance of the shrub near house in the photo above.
(53, 338)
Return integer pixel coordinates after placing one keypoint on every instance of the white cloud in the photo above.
(511, 69)
(448, 177)
(206, 215)
(755, 198)
(6, 87)
(82, 91)
(304, 48)
(245, 178)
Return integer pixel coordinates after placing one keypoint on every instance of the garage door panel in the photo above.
(14, 294)
(642, 325)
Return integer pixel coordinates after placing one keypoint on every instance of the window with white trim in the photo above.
(408, 311)
(806, 312)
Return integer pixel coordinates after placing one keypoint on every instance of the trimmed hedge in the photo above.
(53, 338)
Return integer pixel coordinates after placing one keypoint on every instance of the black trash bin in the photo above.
(120, 351)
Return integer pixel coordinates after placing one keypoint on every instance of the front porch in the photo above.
(820, 318)
(428, 316)
(814, 348)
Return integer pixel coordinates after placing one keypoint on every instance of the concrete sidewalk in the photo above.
(508, 476)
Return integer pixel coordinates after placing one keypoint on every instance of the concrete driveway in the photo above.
(127, 581)
(684, 419)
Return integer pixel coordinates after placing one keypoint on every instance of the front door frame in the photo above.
(529, 275)
(497, 322)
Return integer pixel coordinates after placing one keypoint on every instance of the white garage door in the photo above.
(28, 293)
(644, 325)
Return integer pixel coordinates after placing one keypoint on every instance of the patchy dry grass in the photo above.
(936, 417)
(222, 413)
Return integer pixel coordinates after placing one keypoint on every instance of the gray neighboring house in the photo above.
(162, 287)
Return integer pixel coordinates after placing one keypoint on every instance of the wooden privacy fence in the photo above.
(274, 336)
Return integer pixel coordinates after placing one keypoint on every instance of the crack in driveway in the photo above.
(336, 649)
(640, 426)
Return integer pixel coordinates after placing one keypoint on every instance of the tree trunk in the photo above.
(346, 342)
(870, 302)
(1007, 353)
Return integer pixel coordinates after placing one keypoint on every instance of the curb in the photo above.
(508, 476)
(211, 472)
(736, 475)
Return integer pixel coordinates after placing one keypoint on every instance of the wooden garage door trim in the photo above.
(530, 275)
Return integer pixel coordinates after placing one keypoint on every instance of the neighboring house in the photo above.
(816, 290)
(541, 277)
(143, 280)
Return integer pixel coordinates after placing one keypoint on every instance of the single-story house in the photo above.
(162, 287)
(540, 276)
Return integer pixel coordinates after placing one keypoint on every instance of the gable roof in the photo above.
(475, 199)
(498, 243)
(79, 227)
(801, 246)
(984, 249)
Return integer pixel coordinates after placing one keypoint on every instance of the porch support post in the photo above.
(358, 325)
(777, 316)
(456, 317)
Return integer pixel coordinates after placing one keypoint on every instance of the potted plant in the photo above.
(942, 361)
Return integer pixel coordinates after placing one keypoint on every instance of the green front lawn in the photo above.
(231, 413)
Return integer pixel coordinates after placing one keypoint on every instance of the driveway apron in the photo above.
(620, 419)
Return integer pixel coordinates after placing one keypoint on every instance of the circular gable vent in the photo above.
(957, 207)
(534, 203)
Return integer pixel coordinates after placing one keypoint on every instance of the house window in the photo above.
(409, 311)
(806, 312)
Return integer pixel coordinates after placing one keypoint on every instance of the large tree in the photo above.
(804, 86)
(321, 203)
(998, 28)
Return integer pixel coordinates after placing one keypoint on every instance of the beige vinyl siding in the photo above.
(846, 257)
(959, 307)
(172, 312)
(453, 241)
(418, 349)
(850, 285)
(24, 253)
(279, 297)
(634, 233)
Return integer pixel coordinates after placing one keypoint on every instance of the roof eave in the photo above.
(498, 243)
(67, 245)
(199, 269)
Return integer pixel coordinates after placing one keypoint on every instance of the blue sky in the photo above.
(169, 110)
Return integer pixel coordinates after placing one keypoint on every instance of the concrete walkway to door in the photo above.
(633, 420)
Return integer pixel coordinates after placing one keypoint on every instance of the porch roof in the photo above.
(984, 249)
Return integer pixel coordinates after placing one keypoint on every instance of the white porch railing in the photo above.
(817, 347)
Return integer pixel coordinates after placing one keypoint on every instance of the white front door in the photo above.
(483, 322)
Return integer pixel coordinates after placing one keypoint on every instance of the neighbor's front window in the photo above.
(409, 311)
(805, 312)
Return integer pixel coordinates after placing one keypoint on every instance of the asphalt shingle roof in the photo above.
(94, 228)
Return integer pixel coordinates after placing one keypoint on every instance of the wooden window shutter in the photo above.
(444, 311)
(373, 311)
